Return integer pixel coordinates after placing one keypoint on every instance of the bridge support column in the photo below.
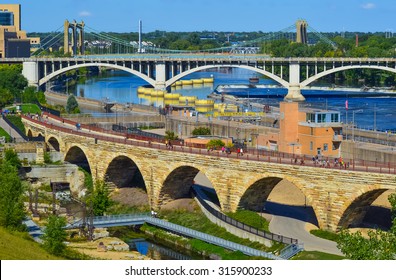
(30, 72)
(160, 76)
(294, 94)
(294, 91)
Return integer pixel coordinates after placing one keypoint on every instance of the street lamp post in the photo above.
(256, 136)
(353, 122)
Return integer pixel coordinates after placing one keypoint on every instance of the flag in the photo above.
(346, 104)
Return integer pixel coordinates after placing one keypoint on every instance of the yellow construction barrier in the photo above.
(208, 80)
(172, 96)
(187, 100)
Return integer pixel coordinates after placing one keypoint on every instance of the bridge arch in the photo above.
(178, 184)
(53, 143)
(77, 155)
(123, 172)
(358, 208)
(344, 68)
(258, 190)
(29, 133)
(200, 68)
(109, 65)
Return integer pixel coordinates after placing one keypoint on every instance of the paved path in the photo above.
(291, 221)
(10, 130)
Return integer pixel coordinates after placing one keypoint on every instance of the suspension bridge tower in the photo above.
(77, 37)
(302, 36)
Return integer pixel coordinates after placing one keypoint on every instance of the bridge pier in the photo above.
(160, 76)
(31, 73)
(294, 94)
(294, 89)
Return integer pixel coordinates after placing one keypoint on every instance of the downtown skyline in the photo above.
(200, 15)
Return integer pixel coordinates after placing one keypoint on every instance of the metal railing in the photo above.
(129, 219)
(240, 225)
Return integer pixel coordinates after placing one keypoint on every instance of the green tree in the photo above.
(215, 144)
(6, 97)
(11, 196)
(55, 235)
(380, 245)
(170, 135)
(72, 105)
(201, 131)
(11, 157)
(99, 199)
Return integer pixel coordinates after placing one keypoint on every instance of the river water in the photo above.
(370, 112)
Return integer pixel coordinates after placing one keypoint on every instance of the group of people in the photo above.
(326, 163)
(227, 150)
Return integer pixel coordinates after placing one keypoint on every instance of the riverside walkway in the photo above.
(138, 219)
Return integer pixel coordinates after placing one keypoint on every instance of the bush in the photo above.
(201, 131)
(215, 144)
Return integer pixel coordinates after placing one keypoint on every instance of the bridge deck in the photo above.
(64, 125)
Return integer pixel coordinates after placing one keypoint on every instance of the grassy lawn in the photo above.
(325, 234)
(315, 255)
(19, 246)
(16, 120)
(5, 134)
(198, 221)
(30, 108)
(250, 218)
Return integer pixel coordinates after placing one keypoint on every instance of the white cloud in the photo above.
(368, 6)
(85, 14)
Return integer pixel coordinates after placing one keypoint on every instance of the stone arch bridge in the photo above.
(161, 71)
(339, 198)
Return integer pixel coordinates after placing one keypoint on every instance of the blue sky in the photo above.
(212, 15)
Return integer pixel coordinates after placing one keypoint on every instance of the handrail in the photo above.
(146, 218)
(241, 225)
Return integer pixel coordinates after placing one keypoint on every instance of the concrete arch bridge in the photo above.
(161, 71)
(339, 198)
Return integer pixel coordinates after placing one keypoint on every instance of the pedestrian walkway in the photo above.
(14, 135)
(134, 219)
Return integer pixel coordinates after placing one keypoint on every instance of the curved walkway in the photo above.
(292, 221)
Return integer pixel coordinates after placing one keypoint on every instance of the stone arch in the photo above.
(255, 196)
(344, 68)
(113, 66)
(200, 68)
(177, 184)
(258, 192)
(77, 155)
(357, 209)
(53, 143)
(123, 172)
(29, 133)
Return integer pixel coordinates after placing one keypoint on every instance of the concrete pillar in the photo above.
(66, 37)
(294, 90)
(30, 72)
(160, 75)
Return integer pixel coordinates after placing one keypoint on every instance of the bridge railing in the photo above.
(243, 226)
(252, 154)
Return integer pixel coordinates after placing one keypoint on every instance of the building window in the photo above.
(311, 146)
(312, 131)
(325, 147)
(310, 117)
(335, 118)
(321, 118)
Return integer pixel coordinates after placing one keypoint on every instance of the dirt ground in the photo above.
(130, 196)
(90, 248)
